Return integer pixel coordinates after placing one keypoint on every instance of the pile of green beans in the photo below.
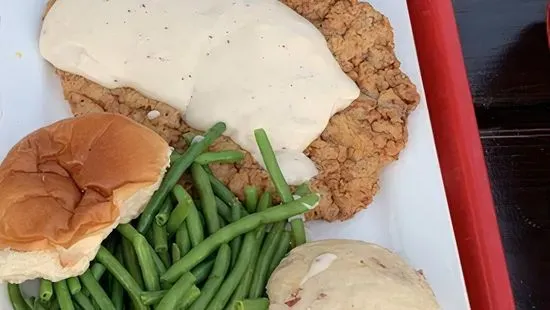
(198, 248)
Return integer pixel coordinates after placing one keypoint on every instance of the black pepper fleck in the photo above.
(116, 80)
(129, 11)
(142, 5)
(165, 28)
(253, 97)
(182, 78)
(190, 76)
(210, 37)
(207, 54)
(227, 41)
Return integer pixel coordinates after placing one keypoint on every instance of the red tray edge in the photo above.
(460, 154)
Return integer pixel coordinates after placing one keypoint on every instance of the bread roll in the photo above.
(347, 274)
(64, 188)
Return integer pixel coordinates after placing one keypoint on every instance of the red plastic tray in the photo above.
(460, 154)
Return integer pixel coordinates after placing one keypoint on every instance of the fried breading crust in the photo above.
(358, 142)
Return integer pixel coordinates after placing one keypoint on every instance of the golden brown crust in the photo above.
(357, 143)
(58, 183)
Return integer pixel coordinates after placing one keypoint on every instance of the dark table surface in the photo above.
(508, 62)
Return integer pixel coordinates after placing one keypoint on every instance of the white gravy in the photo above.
(250, 63)
(319, 264)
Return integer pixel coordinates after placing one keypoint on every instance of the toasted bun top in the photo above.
(69, 179)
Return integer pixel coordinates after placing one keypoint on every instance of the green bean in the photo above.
(189, 298)
(181, 211)
(174, 174)
(157, 261)
(252, 304)
(98, 270)
(151, 298)
(182, 239)
(280, 252)
(175, 252)
(194, 226)
(215, 279)
(302, 189)
(121, 275)
(164, 213)
(264, 202)
(17, 300)
(175, 155)
(63, 295)
(131, 262)
(236, 242)
(189, 137)
(117, 295)
(225, 194)
(219, 157)
(279, 182)
(202, 271)
(165, 257)
(74, 285)
(236, 274)
(298, 231)
(160, 238)
(149, 236)
(117, 291)
(54, 305)
(227, 233)
(251, 198)
(38, 305)
(83, 301)
(98, 294)
(29, 301)
(241, 292)
(174, 294)
(266, 254)
(272, 166)
(45, 292)
(208, 202)
(223, 223)
(201, 217)
(146, 261)
(224, 210)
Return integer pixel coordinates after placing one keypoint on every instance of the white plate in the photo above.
(409, 215)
